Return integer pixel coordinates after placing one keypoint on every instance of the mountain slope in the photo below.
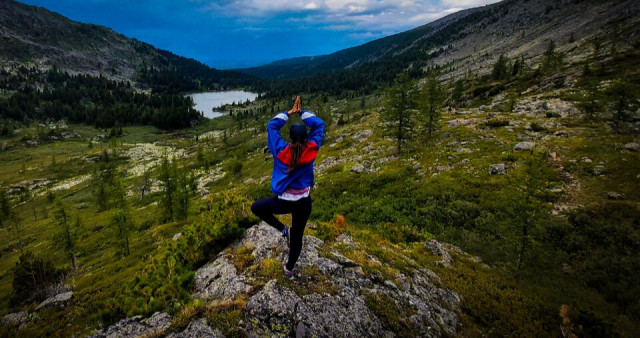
(473, 37)
(34, 36)
(355, 56)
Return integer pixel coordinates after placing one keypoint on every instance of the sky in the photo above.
(229, 34)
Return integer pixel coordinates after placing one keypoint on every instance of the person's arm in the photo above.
(274, 140)
(316, 126)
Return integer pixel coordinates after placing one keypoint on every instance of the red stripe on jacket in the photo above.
(309, 152)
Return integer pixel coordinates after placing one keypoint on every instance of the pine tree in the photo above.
(121, 220)
(621, 97)
(185, 186)
(146, 183)
(456, 94)
(500, 69)
(430, 102)
(168, 182)
(6, 211)
(67, 231)
(398, 109)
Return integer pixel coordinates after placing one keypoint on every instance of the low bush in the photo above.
(497, 123)
(33, 277)
(167, 282)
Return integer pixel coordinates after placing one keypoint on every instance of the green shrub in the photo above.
(602, 243)
(167, 282)
(234, 166)
(497, 123)
(31, 279)
(537, 127)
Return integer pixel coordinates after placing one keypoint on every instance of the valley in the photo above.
(487, 189)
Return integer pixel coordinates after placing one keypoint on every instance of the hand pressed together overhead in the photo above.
(296, 106)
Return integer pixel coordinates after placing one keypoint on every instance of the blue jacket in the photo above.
(302, 176)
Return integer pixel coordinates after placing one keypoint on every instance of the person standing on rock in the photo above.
(292, 177)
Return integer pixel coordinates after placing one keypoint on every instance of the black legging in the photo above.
(299, 210)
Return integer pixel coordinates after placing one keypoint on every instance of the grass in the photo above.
(391, 211)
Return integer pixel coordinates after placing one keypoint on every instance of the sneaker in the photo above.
(287, 274)
(285, 233)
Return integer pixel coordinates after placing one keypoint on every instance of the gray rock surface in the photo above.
(358, 168)
(498, 169)
(439, 249)
(16, 318)
(60, 300)
(523, 146)
(277, 310)
(632, 147)
(219, 280)
(360, 136)
(330, 296)
(612, 195)
(197, 329)
(136, 326)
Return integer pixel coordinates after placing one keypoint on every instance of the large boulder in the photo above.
(330, 296)
(136, 326)
(60, 300)
(198, 329)
(16, 318)
(524, 146)
(498, 169)
(219, 280)
(632, 147)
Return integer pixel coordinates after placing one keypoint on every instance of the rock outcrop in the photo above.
(331, 296)
(60, 300)
(136, 326)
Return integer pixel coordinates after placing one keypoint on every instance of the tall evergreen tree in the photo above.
(184, 188)
(430, 102)
(500, 69)
(398, 112)
(456, 94)
(168, 182)
(66, 232)
(5, 207)
(621, 98)
(121, 220)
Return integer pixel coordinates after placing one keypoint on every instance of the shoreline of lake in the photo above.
(205, 102)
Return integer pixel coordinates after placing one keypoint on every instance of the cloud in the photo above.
(468, 3)
(359, 16)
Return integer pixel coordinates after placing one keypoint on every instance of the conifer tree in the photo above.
(398, 109)
(121, 220)
(146, 183)
(621, 97)
(430, 102)
(456, 94)
(66, 231)
(500, 69)
(185, 186)
(168, 182)
(5, 207)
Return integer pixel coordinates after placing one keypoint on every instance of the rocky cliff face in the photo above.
(473, 39)
(331, 295)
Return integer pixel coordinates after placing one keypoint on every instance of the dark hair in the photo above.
(298, 134)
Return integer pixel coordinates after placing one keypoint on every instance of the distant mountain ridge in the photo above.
(471, 39)
(351, 57)
(35, 36)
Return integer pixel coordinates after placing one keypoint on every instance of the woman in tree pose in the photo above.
(292, 177)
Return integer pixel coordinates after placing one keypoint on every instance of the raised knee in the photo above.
(254, 208)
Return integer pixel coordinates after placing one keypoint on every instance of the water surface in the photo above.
(208, 102)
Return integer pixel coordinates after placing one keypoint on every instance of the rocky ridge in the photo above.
(331, 295)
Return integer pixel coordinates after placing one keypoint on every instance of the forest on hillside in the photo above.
(513, 185)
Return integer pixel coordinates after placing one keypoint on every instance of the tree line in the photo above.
(93, 100)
